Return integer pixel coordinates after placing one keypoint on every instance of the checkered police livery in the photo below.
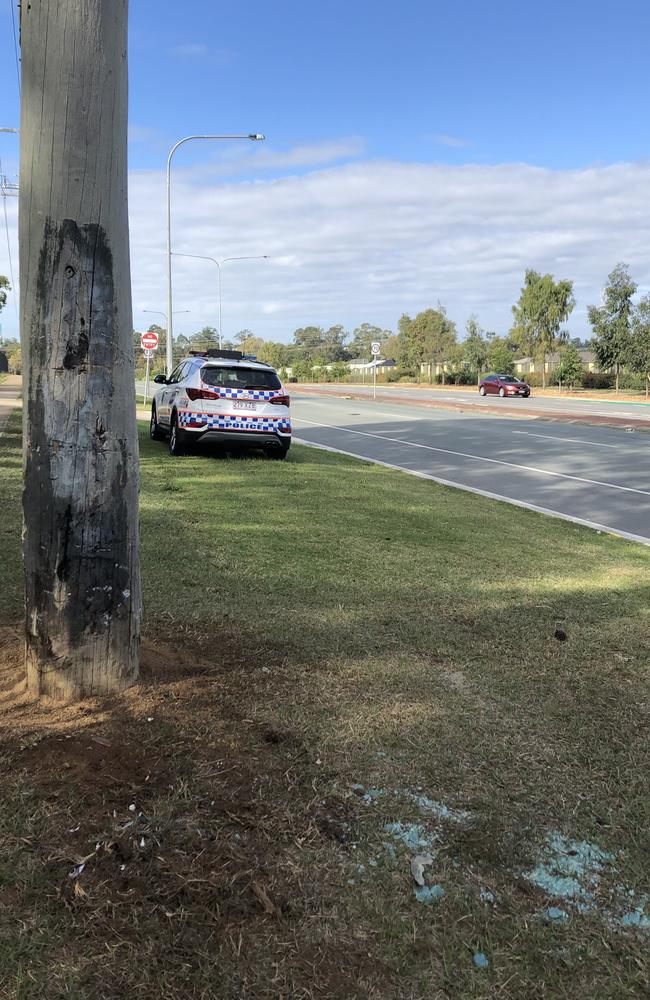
(224, 422)
(222, 397)
(248, 394)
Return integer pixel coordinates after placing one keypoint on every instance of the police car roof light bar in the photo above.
(214, 352)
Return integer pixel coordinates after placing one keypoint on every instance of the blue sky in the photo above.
(559, 84)
(415, 153)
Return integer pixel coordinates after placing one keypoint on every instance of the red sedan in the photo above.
(503, 385)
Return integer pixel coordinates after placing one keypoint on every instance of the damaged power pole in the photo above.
(81, 546)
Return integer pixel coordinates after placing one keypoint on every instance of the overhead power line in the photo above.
(13, 23)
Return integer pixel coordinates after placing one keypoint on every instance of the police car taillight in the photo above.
(280, 400)
(201, 394)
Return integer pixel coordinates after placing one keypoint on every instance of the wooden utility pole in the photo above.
(81, 546)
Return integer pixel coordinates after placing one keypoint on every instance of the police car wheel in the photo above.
(279, 453)
(154, 429)
(177, 438)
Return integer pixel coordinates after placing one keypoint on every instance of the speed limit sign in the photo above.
(375, 347)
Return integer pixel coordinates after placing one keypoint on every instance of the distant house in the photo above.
(528, 365)
(430, 369)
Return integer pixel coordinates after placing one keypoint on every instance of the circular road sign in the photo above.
(149, 341)
(375, 347)
(148, 352)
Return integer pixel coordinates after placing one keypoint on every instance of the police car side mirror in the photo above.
(160, 379)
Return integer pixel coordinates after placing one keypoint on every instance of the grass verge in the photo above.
(343, 667)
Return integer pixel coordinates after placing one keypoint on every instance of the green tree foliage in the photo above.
(313, 343)
(307, 342)
(570, 370)
(4, 288)
(612, 321)
(475, 348)
(427, 338)
(333, 347)
(14, 360)
(339, 372)
(204, 339)
(544, 304)
(363, 336)
(638, 355)
(302, 370)
(390, 347)
(501, 356)
(277, 355)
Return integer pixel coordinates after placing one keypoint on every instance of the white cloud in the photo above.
(368, 240)
(142, 133)
(190, 49)
(450, 140)
(254, 158)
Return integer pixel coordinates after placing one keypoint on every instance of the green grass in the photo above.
(322, 623)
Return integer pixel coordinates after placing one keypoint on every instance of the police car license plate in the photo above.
(244, 406)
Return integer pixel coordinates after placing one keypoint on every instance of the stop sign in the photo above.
(149, 341)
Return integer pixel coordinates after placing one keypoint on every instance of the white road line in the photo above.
(482, 493)
(478, 458)
(554, 437)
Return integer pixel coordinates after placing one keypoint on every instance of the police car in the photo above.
(224, 397)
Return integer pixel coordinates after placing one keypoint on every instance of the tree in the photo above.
(252, 345)
(302, 370)
(638, 356)
(363, 336)
(308, 342)
(14, 360)
(501, 356)
(274, 354)
(544, 304)
(81, 545)
(390, 346)
(426, 338)
(570, 369)
(4, 288)
(612, 321)
(475, 348)
(339, 372)
(333, 346)
(204, 339)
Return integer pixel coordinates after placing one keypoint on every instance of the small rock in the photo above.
(560, 635)
(418, 864)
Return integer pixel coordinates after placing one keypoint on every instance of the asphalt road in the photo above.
(470, 397)
(596, 475)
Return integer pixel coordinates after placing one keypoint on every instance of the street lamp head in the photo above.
(257, 137)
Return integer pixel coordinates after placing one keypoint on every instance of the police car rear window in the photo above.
(239, 377)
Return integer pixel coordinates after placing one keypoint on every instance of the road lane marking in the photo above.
(606, 529)
(478, 458)
(554, 437)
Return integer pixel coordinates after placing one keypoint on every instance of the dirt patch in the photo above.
(88, 761)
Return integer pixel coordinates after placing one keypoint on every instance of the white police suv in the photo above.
(224, 397)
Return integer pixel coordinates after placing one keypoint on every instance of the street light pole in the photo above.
(254, 137)
(219, 263)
